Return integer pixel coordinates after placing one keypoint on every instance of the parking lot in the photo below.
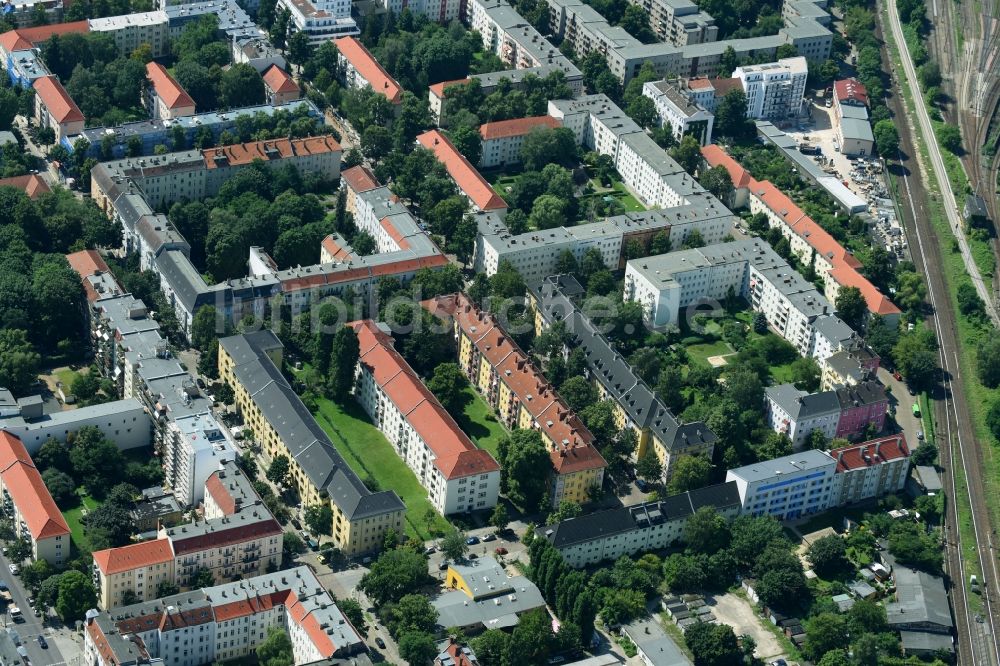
(739, 614)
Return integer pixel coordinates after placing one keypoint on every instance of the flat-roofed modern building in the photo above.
(607, 535)
(283, 426)
(794, 486)
(678, 113)
(480, 594)
(774, 90)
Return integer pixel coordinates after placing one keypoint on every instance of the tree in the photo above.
(718, 181)
(395, 574)
(825, 632)
(319, 518)
(950, 138)
(642, 109)
(731, 115)
(548, 212)
(828, 556)
(969, 303)
(687, 153)
(277, 471)
(413, 612)
(53, 454)
(712, 644)
(911, 544)
(706, 531)
(468, 141)
(491, 646)
(689, 473)
(240, 86)
(417, 648)
(448, 386)
(525, 467)
(292, 543)
(376, 142)
(545, 145)
(96, 461)
(886, 138)
(205, 327)
(76, 596)
(344, 355)
(499, 518)
(806, 374)
(276, 649)
(62, 488)
(202, 578)
(18, 361)
(167, 588)
(851, 307)
(565, 511)
(19, 550)
(578, 393)
(988, 362)
(649, 467)
(453, 545)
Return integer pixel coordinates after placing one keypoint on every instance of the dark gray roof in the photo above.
(865, 393)
(610, 369)
(603, 524)
(178, 271)
(928, 477)
(298, 430)
(801, 405)
(157, 232)
(975, 206)
(924, 641)
(920, 598)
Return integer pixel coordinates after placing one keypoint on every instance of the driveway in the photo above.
(900, 396)
(739, 614)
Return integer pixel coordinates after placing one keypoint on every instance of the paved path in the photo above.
(940, 173)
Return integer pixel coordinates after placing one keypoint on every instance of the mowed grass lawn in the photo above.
(370, 454)
(73, 519)
(485, 432)
(702, 350)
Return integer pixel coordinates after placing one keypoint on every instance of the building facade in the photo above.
(774, 90)
(871, 469)
(787, 488)
(678, 113)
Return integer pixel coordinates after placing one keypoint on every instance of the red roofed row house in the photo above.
(54, 108)
(165, 98)
(28, 504)
(869, 469)
(837, 267)
(458, 476)
(523, 398)
(237, 538)
(225, 622)
(502, 140)
(470, 182)
(360, 69)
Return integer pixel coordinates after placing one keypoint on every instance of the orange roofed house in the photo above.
(224, 622)
(27, 502)
(165, 98)
(56, 109)
(280, 87)
(360, 69)
(31, 184)
(523, 398)
(469, 181)
(459, 477)
(502, 140)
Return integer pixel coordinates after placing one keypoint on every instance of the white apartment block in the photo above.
(678, 113)
(195, 449)
(604, 536)
(441, 11)
(774, 90)
(132, 30)
(794, 486)
(502, 140)
(321, 20)
(225, 622)
(797, 413)
(458, 476)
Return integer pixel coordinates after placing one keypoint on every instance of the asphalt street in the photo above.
(29, 630)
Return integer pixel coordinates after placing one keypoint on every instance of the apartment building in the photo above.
(502, 140)
(238, 538)
(55, 109)
(439, 11)
(321, 20)
(130, 31)
(459, 477)
(637, 406)
(360, 69)
(469, 181)
(355, 181)
(225, 622)
(513, 39)
(774, 90)
(32, 512)
(808, 240)
(604, 536)
(585, 30)
(522, 397)
(480, 594)
(791, 487)
(165, 98)
(123, 422)
(678, 113)
(850, 366)
(797, 413)
(283, 426)
(279, 87)
(680, 22)
(870, 469)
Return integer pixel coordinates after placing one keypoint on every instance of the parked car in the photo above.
(443, 566)
(13, 568)
(42, 643)
(500, 551)
(430, 550)
(472, 541)
(380, 643)
(489, 537)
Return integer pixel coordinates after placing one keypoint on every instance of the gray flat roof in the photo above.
(792, 465)
(653, 642)
(855, 128)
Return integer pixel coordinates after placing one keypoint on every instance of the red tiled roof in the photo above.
(25, 38)
(458, 658)
(716, 156)
(359, 178)
(369, 69)
(58, 102)
(166, 87)
(699, 83)
(437, 89)
(337, 252)
(216, 487)
(723, 85)
(134, 556)
(252, 605)
(468, 179)
(32, 184)
(278, 80)
(850, 90)
(872, 452)
(28, 492)
(876, 301)
(454, 453)
(503, 129)
(245, 153)
(223, 537)
(12, 451)
(87, 263)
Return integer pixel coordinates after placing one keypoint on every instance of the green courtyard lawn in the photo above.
(370, 454)
(479, 422)
(74, 517)
(702, 350)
